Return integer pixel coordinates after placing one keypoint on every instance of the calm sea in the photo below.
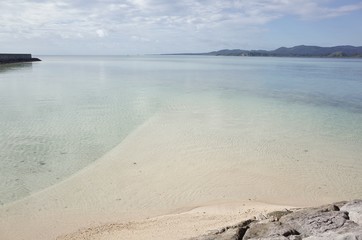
(59, 115)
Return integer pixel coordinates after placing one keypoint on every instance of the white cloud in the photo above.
(156, 19)
(342, 10)
(101, 33)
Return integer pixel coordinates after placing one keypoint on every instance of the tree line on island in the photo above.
(297, 51)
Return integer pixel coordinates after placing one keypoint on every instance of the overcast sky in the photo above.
(170, 26)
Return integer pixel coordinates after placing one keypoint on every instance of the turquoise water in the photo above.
(61, 114)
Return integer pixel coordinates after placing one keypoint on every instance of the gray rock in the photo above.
(276, 215)
(268, 230)
(235, 232)
(310, 222)
(230, 234)
(356, 235)
(340, 204)
(339, 221)
(261, 217)
(354, 209)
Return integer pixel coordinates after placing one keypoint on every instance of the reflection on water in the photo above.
(15, 67)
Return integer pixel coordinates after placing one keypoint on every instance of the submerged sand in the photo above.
(170, 165)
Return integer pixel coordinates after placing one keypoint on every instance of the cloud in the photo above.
(152, 20)
(339, 11)
(140, 39)
(81, 16)
(101, 33)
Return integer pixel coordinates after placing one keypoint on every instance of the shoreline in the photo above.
(221, 222)
(186, 222)
(150, 186)
(173, 168)
(183, 224)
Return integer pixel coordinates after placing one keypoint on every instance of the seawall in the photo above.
(14, 58)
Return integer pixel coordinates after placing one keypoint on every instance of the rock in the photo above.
(230, 234)
(276, 215)
(356, 235)
(339, 221)
(340, 204)
(311, 222)
(354, 209)
(268, 230)
(235, 232)
(261, 217)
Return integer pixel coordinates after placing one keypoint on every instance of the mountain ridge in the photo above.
(296, 51)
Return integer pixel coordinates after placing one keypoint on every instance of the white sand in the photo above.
(195, 222)
(169, 165)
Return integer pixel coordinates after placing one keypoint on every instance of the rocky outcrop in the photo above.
(340, 221)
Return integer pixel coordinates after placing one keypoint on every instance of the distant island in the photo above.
(16, 58)
(297, 51)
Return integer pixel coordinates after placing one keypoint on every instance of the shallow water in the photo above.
(289, 118)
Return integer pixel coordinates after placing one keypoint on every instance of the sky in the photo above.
(122, 27)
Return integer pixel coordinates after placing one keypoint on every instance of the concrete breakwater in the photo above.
(14, 58)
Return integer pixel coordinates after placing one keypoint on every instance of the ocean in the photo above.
(292, 120)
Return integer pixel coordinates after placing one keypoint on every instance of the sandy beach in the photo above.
(154, 187)
(192, 223)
